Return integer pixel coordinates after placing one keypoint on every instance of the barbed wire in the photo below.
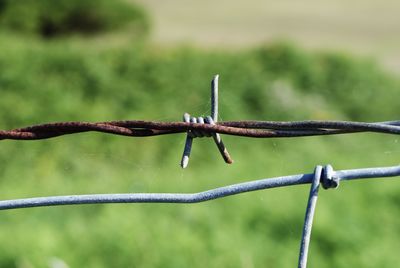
(253, 129)
(197, 127)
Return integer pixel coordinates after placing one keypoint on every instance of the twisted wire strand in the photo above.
(254, 129)
(202, 127)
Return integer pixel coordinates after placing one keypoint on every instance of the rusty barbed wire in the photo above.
(197, 127)
(252, 129)
(200, 126)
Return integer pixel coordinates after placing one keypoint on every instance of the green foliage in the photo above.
(49, 18)
(42, 82)
(357, 88)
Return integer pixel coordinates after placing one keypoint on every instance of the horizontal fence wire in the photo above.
(234, 189)
(254, 129)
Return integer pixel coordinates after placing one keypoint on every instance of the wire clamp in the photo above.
(328, 178)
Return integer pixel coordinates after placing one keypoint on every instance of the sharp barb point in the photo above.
(185, 161)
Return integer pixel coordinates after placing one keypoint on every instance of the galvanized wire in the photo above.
(326, 176)
(308, 221)
(216, 193)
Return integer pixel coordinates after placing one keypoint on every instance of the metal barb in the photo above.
(211, 120)
(214, 98)
(188, 144)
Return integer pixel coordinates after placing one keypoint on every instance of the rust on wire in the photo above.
(254, 129)
(199, 127)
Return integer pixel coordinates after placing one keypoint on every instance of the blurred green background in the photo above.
(110, 60)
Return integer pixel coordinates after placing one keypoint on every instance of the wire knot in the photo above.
(328, 178)
(195, 133)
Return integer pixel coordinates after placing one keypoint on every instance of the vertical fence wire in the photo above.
(308, 221)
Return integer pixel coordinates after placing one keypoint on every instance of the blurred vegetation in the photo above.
(68, 79)
(49, 19)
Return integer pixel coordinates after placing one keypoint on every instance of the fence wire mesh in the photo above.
(197, 127)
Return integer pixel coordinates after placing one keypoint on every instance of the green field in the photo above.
(368, 28)
(116, 75)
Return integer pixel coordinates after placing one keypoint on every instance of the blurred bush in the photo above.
(358, 88)
(48, 18)
(312, 86)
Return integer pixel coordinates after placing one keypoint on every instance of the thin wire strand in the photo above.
(308, 221)
(216, 193)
